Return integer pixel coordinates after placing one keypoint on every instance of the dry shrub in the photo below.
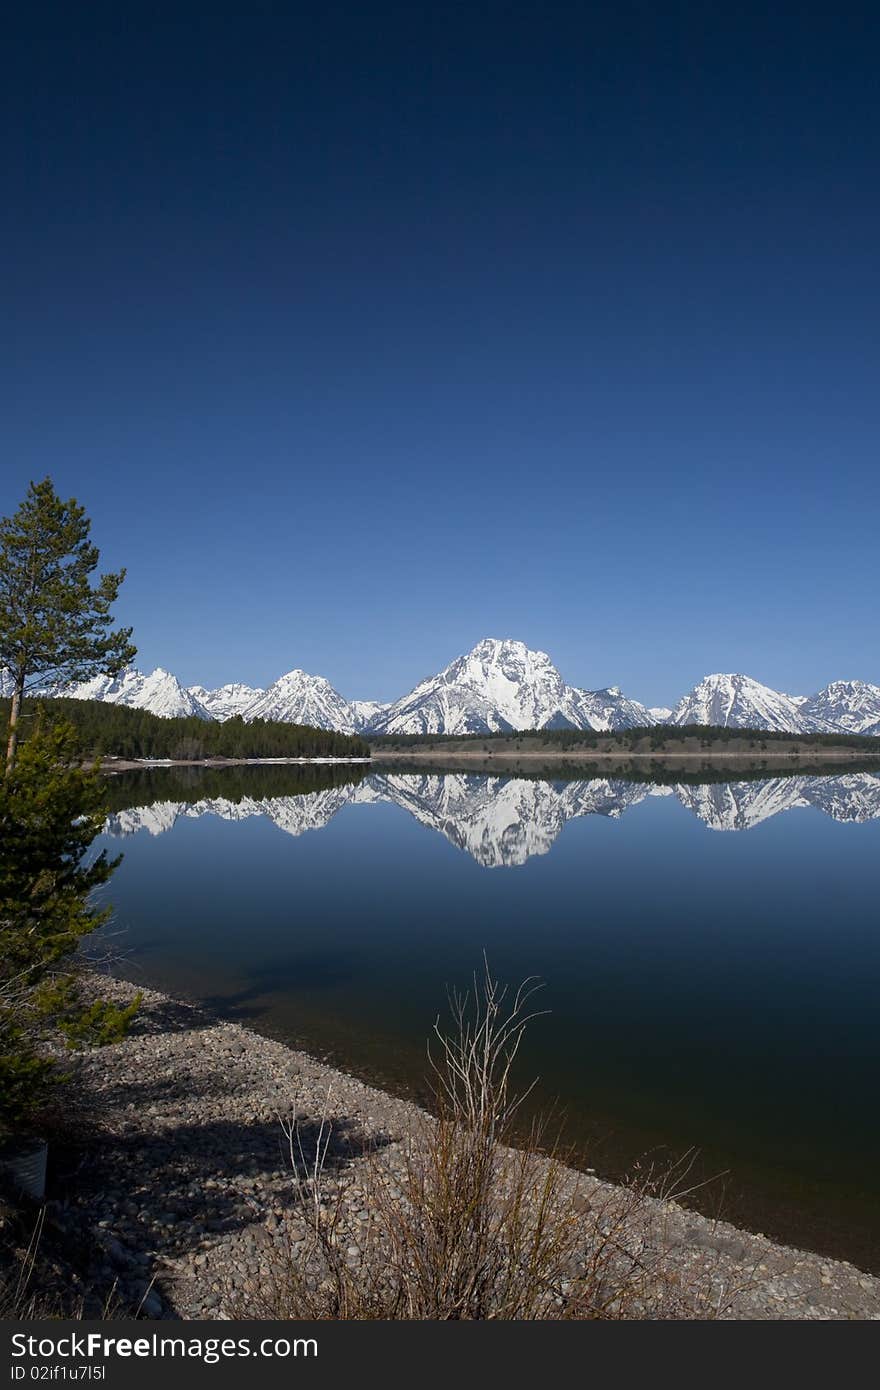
(462, 1225)
(18, 1259)
(40, 1279)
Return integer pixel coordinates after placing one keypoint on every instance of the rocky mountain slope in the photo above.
(738, 702)
(160, 692)
(850, 705)
(226, 701)
(501, 685)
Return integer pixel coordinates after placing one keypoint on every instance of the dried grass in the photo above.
(462, 1224)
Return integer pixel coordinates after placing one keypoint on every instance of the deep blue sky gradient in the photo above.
(366, 331)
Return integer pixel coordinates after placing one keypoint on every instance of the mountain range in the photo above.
(498, 686)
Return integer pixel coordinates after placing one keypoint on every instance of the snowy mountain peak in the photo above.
(226, 701)
(501, 684)
(300, 698)
(659, 713)
(160, 692)
(364, 713)
(850, 705)
(737, 701)
(501, 662)
(496, 648)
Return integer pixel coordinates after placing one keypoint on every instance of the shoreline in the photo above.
(440, 759)
(148, 764)
(597, 755)
(188, 1183)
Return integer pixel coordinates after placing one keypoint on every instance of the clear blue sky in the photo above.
(366, 331)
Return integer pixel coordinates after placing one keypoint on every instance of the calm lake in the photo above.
(710, 950)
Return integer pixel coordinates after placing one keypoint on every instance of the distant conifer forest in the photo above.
(117, 731)
(654, 738)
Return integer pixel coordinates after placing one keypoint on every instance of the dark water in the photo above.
(711, 952)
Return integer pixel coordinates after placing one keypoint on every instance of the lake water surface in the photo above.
(710, 950)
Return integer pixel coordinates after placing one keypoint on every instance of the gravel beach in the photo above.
(184, 1191)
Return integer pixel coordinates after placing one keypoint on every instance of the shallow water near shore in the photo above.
(710, 950)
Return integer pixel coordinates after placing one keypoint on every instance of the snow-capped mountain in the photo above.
(227, 700)
(503, 685)
(498, 686)
(298, 698)
(159, 692)
(607, 709)
(850, 705)
(365, 713)
(738, 702)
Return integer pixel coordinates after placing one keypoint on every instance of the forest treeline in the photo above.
(117, 731)
(651, 739)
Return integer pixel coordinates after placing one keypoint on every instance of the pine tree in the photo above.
(51, 810)
(55, 626)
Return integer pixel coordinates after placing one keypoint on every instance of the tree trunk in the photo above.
(14, 711)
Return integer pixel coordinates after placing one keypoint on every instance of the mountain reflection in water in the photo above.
(502, 821)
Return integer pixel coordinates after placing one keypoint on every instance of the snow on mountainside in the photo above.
(500, 685)
(850, 705)
(659, 713)
(291, 699)
(298, 698)
(738, 702)
(608, 709)
(159, 692)
(503, 685)
(365, 713)
(227, 700)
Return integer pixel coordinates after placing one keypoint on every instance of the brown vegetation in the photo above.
(464, 1226)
